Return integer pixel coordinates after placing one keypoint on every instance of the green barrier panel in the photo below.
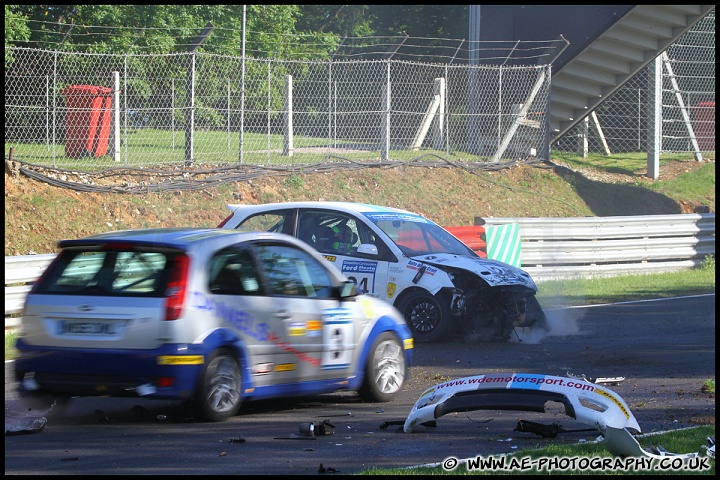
(504, 244)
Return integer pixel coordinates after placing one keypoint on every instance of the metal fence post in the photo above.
(583, 138)
(116, 101)
(55, 89)
(242, 87)
(385, 119)
(288, 137)
(47, 112)
(190, 110)
(439, 90)
(654, 115)
(190, 94)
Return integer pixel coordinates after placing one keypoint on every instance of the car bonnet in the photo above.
(495, 273)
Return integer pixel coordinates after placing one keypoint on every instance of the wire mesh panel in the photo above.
(498, 112)
(152, 112)
(30, 117)
(412, 95)
(689, 90)
(357, 106)
(688, 102)
(200, 108)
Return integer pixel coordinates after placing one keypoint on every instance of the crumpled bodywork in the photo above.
(586, 402)
(493, 272)
(488, 299)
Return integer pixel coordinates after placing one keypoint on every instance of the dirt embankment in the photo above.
(38, 214)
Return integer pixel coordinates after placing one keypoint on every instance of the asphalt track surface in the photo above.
(665, 350)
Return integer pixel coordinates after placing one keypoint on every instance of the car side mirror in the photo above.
(367, 248)
(347, 289)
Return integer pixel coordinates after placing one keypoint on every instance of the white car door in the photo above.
(309, 328)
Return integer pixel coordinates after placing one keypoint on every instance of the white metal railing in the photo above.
(552, 248)
(560, 248)
(19, 273)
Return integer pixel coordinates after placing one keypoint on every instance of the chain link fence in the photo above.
(620, 124)
(100, 111)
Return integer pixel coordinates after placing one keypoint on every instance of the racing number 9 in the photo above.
(338, 335)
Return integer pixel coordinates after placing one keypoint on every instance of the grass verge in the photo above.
(10, 337)
(559, 293)
(593, 456)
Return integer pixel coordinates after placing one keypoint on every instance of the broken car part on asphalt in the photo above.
(586, 402)
(310, 430)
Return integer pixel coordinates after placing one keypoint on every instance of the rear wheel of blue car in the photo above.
(427, 318)
(385, 369)
(218, 396)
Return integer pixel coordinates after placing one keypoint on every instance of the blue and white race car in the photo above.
(207, 315)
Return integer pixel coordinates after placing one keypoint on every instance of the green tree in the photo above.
(271, 30)
(437, 32)
(438, 21)
(16, 29)
(344, 20)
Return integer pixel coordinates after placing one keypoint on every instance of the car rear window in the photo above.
(107, 272)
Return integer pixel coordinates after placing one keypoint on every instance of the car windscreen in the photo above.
(116, 272)
(416, 235)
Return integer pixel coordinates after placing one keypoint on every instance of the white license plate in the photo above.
(67, 327)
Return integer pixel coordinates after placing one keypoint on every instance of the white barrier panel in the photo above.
(561, 248)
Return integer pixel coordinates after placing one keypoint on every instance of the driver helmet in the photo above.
(342, 238)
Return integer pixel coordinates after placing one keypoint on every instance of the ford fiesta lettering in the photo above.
(207, 315)
(440, 285)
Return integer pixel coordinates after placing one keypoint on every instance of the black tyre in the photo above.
(219, 391)
(385, 369)
(428, 319)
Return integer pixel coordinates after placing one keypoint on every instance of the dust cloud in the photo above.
(561, 322)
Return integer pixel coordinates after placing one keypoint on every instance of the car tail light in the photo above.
(176, 287)
(36, 284)
(165, 382)
(225, 221)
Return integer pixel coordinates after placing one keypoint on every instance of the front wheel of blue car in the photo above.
(428, 319)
